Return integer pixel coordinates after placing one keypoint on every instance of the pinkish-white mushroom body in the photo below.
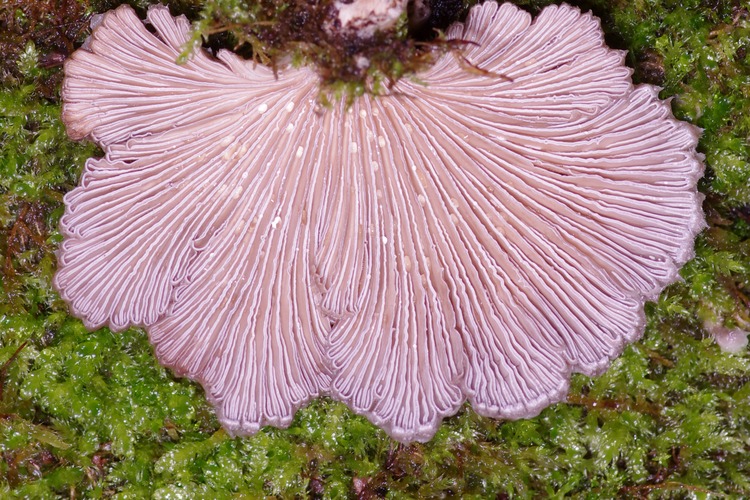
(732, 341)
(468, 237)
(729, 340)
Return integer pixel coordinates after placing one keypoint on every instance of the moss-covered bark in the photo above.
(93, 414)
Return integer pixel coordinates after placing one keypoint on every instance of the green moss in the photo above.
(92, 414)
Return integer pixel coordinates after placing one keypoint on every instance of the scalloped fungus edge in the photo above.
(466, 237)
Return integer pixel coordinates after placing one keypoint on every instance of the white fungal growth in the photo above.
(367, 17)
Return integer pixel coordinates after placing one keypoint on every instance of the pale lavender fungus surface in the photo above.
(467, 237)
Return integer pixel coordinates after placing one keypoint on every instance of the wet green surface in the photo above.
(87, 414)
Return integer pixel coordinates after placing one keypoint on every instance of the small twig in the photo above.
(731, 286)
(660, 359)
(614, 405)
(474, 69)
(5, 367)
(669, 485)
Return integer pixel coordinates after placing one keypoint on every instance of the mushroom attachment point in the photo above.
(468, 236)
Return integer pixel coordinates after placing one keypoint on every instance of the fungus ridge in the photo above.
(504, 235)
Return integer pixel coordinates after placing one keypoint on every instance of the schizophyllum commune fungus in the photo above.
(466, 236)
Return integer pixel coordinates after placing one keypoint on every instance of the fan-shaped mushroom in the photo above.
(465, 237)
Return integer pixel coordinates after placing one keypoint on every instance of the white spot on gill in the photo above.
(407, 263)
